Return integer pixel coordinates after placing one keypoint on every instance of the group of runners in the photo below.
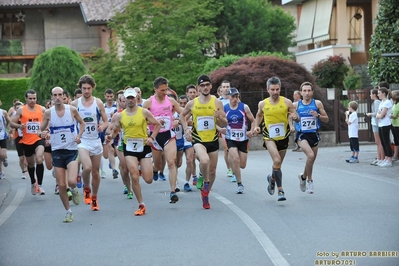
(147, 135)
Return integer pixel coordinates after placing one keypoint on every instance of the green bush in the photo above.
(11, 89)
(330, 72)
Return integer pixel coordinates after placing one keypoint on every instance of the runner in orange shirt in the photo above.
(31, 115)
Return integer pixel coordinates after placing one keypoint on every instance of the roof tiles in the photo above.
(94, 10)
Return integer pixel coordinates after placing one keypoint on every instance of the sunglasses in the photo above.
(205, 85)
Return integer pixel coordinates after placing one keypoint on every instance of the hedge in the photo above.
(11, 89)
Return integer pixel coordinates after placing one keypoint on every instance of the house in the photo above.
(331, 27)
(30, 27)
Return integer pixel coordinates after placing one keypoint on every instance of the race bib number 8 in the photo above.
(276, 130)
(32, 127)
(308, 123)
(135, 145)
(205, 123)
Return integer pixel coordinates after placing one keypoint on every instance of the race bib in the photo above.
(167, 123)
(205, 123)
(308, 123)
(276, 130)
(237, 134)
(91, 128)
(135, 145)
(62, 136)
(32, 127)
(179, 132)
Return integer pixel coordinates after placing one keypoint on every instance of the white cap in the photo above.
(130, 92)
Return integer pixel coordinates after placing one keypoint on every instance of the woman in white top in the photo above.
(384, 125)
(374, 124)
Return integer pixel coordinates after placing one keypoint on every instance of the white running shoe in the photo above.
(386, 163)
(309, 187)
(2, 176)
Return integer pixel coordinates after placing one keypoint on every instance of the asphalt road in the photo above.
(353, 213)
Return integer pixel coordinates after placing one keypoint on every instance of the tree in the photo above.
(246, 26)
(385, 40)
(108, 70)
(57, 67)
(170, 38)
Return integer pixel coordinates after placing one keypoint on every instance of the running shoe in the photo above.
(68, 217)
(24, 175)
(87, 196)
(200, 182)
(240, 189)
(173, 197)
(233, 178)
(309, 187)
(162, 177)
(57, 190)
(94, 204)
(374, 162)
(129, 195)
(155, 176)
(141, 210)
(115, 173)
(75, 196)
(195, 180)
(229, 173)
(386, 163)
(2, 176)
(5, 162)
(177, 189)
(40, 190)
(103, 174)
(302, 183)
(125, 190)
(271, 185)
(353, 160)
(33, 189)
(69, 193)
(187, 187)
(281, 196)
(205, 199)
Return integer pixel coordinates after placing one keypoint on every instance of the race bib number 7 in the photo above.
(135, 145)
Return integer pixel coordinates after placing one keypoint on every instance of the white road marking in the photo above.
(267, 245)
(13, 205)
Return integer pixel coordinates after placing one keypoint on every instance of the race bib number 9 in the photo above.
(32, 127)
(205, 123)
(135, 145)
(308, 123)
(276, 130)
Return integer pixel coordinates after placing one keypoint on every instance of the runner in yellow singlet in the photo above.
(278, 114)
(207, 112)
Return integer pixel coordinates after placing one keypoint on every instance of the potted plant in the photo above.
(351, 83)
